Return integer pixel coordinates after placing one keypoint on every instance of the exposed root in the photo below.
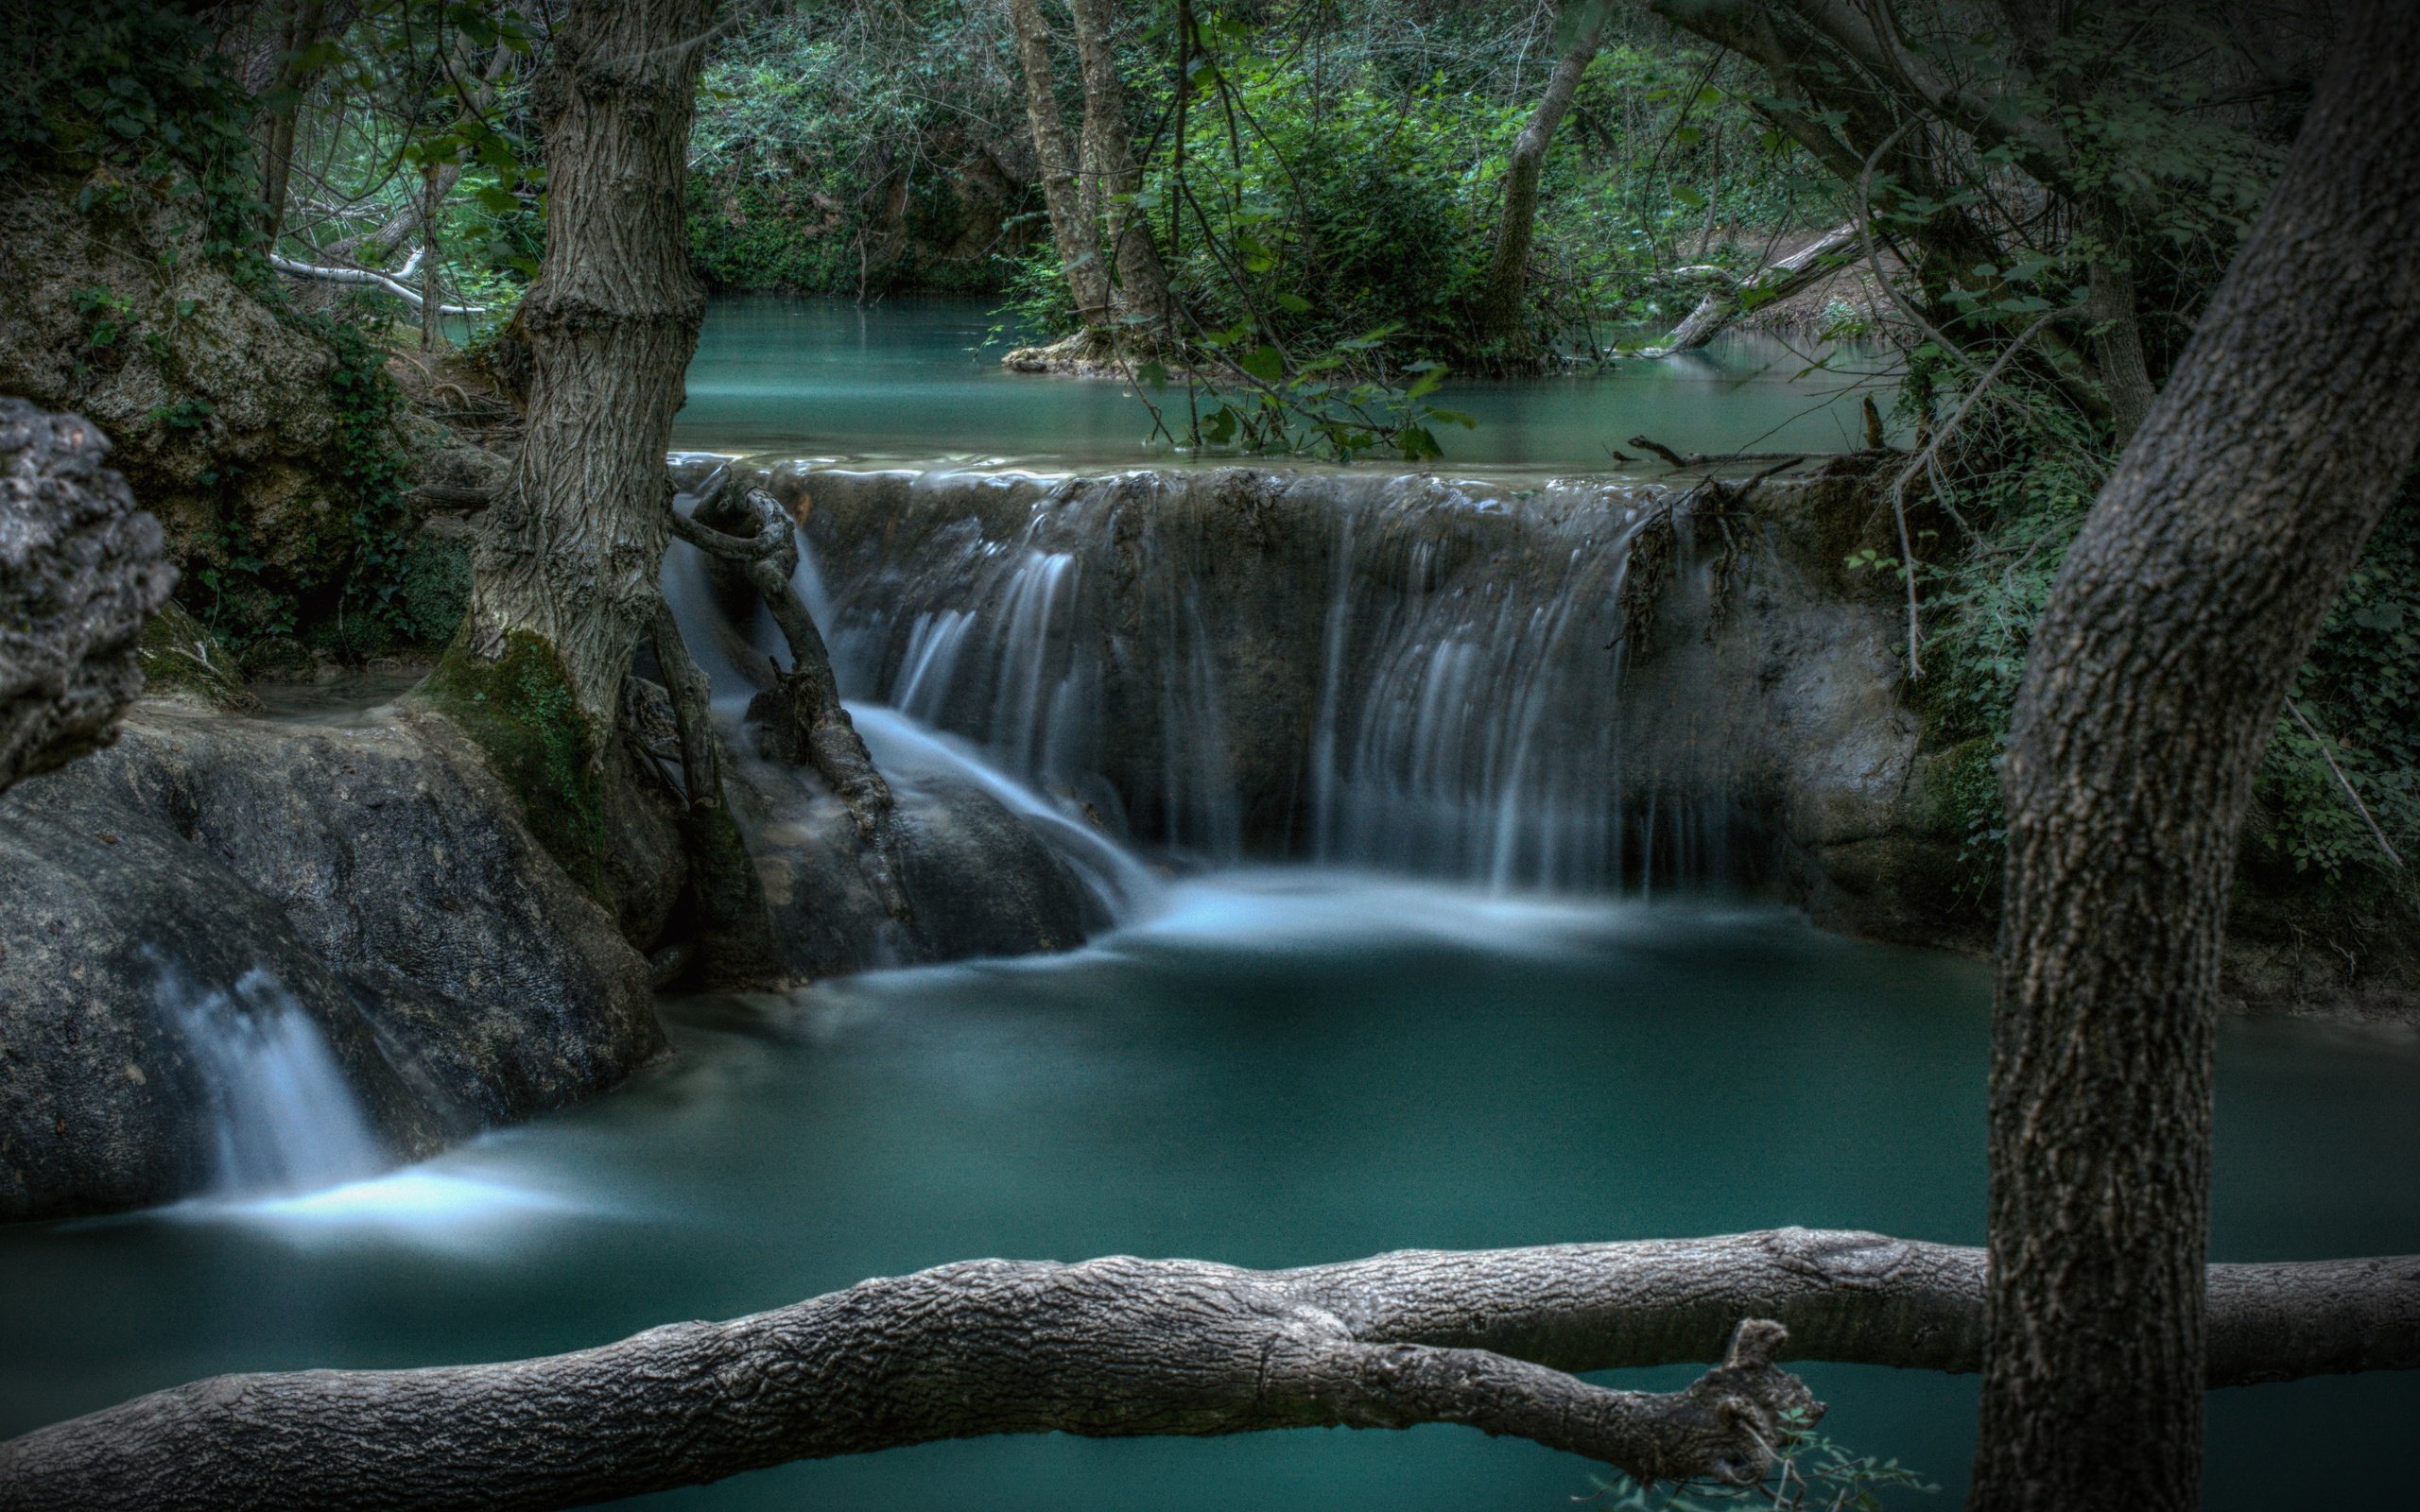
(801, 719)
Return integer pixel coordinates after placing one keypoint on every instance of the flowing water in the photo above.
(1282, 1067)
(1455, 1020)
(282, 1117)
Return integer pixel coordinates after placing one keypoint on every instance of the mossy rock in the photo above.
(520, 710)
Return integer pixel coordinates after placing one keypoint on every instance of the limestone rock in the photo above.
(79, 574)
(373, 868)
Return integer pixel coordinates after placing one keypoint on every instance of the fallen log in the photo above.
(1120, 1347)
(369, 277)
(1778, 280)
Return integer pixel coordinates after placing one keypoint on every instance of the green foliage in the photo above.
(365, 401)
(844, 149)
(2359, 690)
(1314, 218)
(108, 318)
(408, 93)
(1665, 161)
(519, 711)
(2361, 694)
(132, 98)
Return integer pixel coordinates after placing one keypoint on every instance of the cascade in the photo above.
(282, 1117)
(1031, 698)
(1406, 674)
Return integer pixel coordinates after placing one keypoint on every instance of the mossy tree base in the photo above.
(519, 710)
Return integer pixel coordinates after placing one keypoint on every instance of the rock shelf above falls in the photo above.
(1575, 685)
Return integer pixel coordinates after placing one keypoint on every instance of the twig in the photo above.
(2359, 807)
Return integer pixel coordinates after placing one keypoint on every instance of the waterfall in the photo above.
(1405, 673)
(282, 1116)
(1017, 673)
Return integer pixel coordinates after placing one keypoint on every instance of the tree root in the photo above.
(801, 717)
(1121, 1346)
(734, 931)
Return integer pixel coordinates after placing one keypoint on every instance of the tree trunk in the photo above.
(1073, 236)
(303, 27)
(2116, 336)
(574, 543)
(432, 288)
(1142, 294)
(1498, 312)
(1123, 1347)
(2158, 670)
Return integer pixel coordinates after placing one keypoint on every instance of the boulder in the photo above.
(373, 871)
(79, 572)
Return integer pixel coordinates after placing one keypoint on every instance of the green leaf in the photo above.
(1264, 363)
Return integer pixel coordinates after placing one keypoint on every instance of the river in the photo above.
(1267, 1065)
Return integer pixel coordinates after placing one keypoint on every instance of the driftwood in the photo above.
(1674, 458)
(1120, 1347)
(80, 574)
(801, 717)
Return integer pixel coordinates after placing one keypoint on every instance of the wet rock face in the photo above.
(116, 925)
(979, 881)
(373, 871)
(80, 572)
(220, 411)
(1577, 684)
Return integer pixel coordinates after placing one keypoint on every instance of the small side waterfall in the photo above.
(1398, 673)
(282, 1116)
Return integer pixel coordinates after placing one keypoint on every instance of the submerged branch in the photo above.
(1122, 1347)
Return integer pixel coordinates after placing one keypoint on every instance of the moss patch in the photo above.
(519, 711)
(182, 659)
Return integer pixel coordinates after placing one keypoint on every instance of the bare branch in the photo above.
(370, 277)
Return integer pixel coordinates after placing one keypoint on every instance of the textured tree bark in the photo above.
(1072, 234)
(2158, 670)
(576, 538)
(1497, 315)
(2117, 334)
(1121, 1346)
(1141, 297)
(80, 574)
